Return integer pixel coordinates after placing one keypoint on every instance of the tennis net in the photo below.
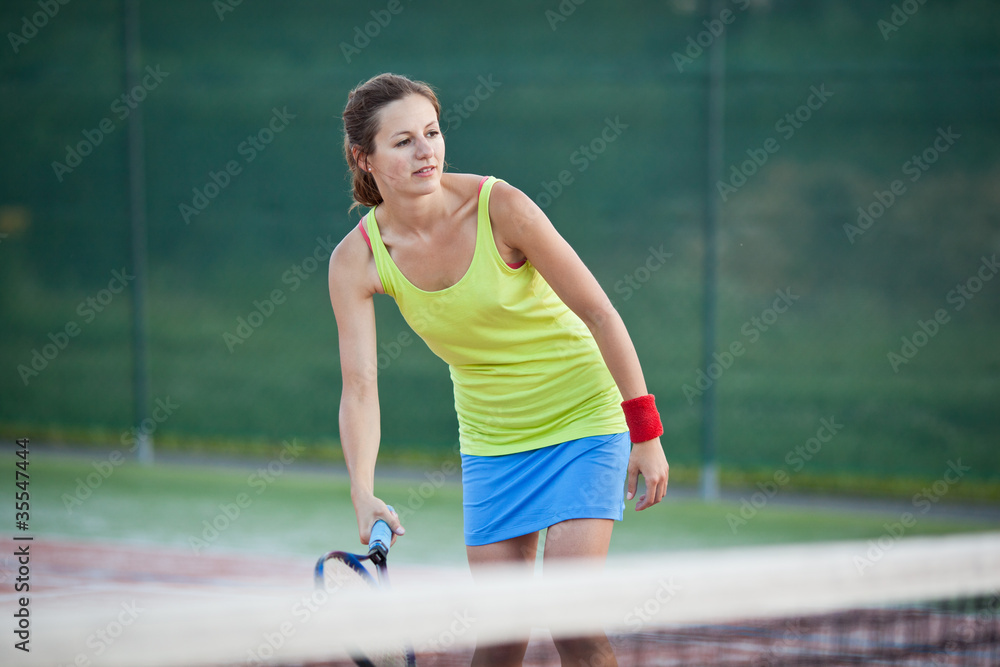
(911, 601)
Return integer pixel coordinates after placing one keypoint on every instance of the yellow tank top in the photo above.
(526, 370)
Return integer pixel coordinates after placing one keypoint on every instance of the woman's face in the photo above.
(409, 147)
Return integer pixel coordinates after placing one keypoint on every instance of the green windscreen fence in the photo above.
(860, 214)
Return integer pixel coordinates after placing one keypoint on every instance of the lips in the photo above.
(426, 171)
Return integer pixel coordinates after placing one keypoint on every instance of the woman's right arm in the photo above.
(353, 283)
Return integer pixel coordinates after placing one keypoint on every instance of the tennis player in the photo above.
(555, 420)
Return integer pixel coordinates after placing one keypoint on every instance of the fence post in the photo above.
(715, 89)
(137, 217)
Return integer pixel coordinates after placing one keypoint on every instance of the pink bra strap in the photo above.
(361, 226)
(516, 265)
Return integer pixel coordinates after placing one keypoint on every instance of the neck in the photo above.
(414, 213)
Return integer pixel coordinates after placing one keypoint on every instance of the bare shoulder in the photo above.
(506, 201)
(514, 214)
(352, 268)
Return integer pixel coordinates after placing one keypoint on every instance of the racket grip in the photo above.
(380, 539)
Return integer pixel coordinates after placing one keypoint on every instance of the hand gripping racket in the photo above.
(339, 570)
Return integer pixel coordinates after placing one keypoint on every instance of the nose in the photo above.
(424, 148)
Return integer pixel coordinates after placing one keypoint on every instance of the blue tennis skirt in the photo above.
(517, 494)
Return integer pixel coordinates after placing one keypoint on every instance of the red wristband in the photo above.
(642, 418)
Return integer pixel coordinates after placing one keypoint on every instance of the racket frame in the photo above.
(378, 553)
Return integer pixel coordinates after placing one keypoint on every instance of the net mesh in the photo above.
(955, 632)
(961, 631)
(339, 577)
(913, 601)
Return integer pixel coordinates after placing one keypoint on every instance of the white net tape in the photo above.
(296, 626)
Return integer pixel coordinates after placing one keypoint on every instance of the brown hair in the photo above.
(361, 124)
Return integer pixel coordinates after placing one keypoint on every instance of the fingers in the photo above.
(394, 525)
(392, 519)
(648, 460)
(656, 490)
(652, 496)
(372, 510)
(641, 505)
(633, 480)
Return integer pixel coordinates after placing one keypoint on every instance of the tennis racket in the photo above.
(339, 570)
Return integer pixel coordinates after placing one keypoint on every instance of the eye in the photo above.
(403, 142)
(433, 133)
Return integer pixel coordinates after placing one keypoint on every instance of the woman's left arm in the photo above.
(519, 224)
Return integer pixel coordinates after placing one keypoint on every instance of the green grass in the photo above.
(297, 511)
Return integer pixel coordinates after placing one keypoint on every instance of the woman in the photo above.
(541, 362)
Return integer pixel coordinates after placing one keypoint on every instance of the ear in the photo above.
(360, 158)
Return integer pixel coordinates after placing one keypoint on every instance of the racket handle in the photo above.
(380, 539)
